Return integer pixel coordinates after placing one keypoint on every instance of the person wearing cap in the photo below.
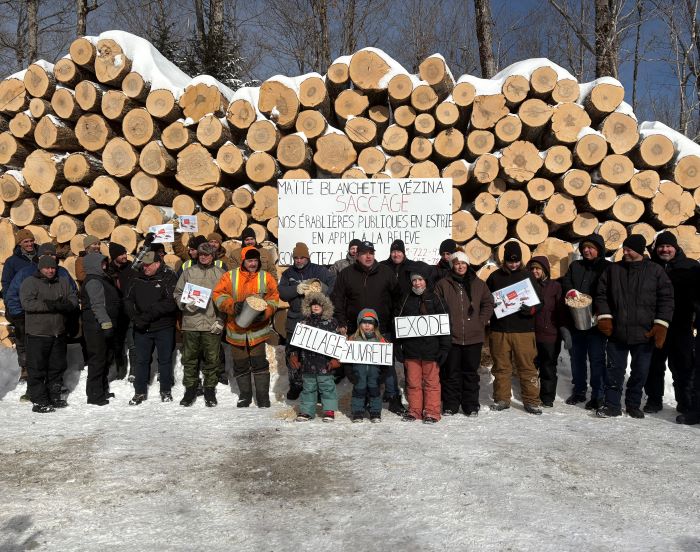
(372, 285)
(634, 301)
(294, 284)
(248, 239)
(248, 342)
(201, 328)
(548, 321)
(47, 301)
(349, 259)
(150, 306)
(101, 306)
(443, 267)
(422, 356)
(13, 305)
(586, 347)
(470, 306)
(512, 337)
(121, 271)
(91, 244)
(23, 255)
(684, 275)
(188, 254)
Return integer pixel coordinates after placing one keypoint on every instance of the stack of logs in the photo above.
(86, 146)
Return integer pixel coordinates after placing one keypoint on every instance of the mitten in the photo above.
(605, 326)
(572, 294)
(237, 307)
(333, 364)
(294, 361)
(259, 318)
(302, 287)
(64, 305)
(658, 332)
(107, 330)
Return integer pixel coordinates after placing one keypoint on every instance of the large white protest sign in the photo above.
(318, 340)
(510, 298)
(337, 346)
(327, 214)
(422, 326)
(368, 352)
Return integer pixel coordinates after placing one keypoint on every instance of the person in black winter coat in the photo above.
(121, 271)
(150, 305)
(678, 349)
(635, 307)
(372, 285)
(422, 356)
(586, 346)
(101, 306)
(444, 265)
(298, 280)
(23, 255)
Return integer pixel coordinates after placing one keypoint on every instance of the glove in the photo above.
(63, 305)
(571, 294)
(148, 239)
(566, 337)
(398, 353)
(259, 318)
(51, 304)
(442, 357)
(333, 364)
(191, 307)
(605, 326)
(658, 333)
(107, 330)
(302, 287)
(526, 310)
(294, 361)
(237, 307)
(217, 327)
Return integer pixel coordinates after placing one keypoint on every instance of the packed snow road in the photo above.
(163, 477)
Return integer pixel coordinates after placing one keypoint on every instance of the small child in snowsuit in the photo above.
(366, 377)
(317, 369)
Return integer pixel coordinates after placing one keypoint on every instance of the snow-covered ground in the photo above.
(164, 477)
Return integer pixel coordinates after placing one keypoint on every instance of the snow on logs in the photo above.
(114, 137)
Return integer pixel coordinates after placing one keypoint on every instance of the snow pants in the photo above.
(678, 349)
(46, 363)
(251, 362)
(459, 378)
(314, 385)
(366, 382)
(546, 362)
(423, 388)
(519, 349)
(615, 373)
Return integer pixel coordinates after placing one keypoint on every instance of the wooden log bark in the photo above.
(83, 52)
(50, 204)
(262, 168)
(231, 160)
(265, 203)
(520, 161)
(398, 166)
(508, 130)
(558, 253)
(13, 187)
(399, 89)
(435, 72)
(645, 184)
(426, 169)
(421, 149)
(240, 115)
(513, 204)
(139, 128)
(449, 145)
(12, 151)
(25, 211)
(540, 189)
(613, 233)
(242, 197)
(574, 182)
(89, 94)
(115, 105)
(531, 229)
(184, 205)
(602, 99)
(196, 169)
(149, 189)
(492, 229)
(233, 221)
(93, 132)
(424, 98)
(583, 225)
(136, 87)
(362, 132)
(534, 115)
(559, 210)
(627, 209)
(293, 152)
(313, 94)
(557, 161)
(53, 134)
(68, 73)
(515, 89)
(22, 126)
(156, 160)
(600, 198)
(672, 205)
(129, 208)
(485, 168)
(13, 96)
(589, 151)
(568, 119)
(653, 152)
(213, 132)
(275, 95)
(111, 63)
(312, 124)
(463, 226)
(163, 105)
(263, 135)
(177, 135)
(543, 80)
(616, 170)
(76, 202)
(65, 105)
(480, 142)
(38, 107)
(405, 116)
(216, 199)
(334, 154)
(125, 235)
(82, 167)
(621, 132)
(120, 158)
(447, 115)
(686, 172)
(488, 110)
(477, 251)
(43, 171)
(372, 160)
(39, 80)
(350, 103)
(106, 190)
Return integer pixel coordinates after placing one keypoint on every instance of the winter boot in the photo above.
(448, 412)
(594, 404)
(533, 409)
(691, 417)
(262, 389)
(375, 417)
(293, 393)
(430, 420)
(608, 412)
(210, 396)
(166, 396)
(200, 388)
(301, 417)
(396, 406)
(137, 399)
(328, 416)
(635, 412)
(576, 398)
(500, 405)
(358, 417)
(408, 418)
(190, 396)
(245, 389)
(59, 403)
(43, 408)
(652, 406)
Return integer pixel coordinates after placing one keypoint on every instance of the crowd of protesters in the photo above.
(121, 311)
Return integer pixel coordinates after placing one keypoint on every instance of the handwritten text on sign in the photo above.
(422, 326)
(337, 346)
(327, 214)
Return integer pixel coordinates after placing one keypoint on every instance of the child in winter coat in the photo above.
(317, 369)
(366, 377)
(548, 321)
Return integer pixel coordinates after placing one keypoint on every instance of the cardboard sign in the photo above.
(417, 211)
(368, 352)
(165, 233)
(422, 326)
(188, 223)
(318, 340)
(195, 294)
(509, 299)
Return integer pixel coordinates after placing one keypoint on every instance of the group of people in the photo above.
(124, 310)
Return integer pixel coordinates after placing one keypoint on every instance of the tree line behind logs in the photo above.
(90, 146)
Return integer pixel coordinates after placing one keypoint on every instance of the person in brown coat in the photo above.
(470, 307)
(266, 260)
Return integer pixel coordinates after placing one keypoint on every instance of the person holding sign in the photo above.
(512, 337)
(201, 327)
(470, 306)
(422, 355)
(366, 377)
(248, 341)
(317, 368)
(548, 320)
(298, 280)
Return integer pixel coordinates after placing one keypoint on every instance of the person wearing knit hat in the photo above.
(684, 274)
(248, 336)
(120, 271)
(512, 337)
(398, 245)
(470, 307)
(267, 262)
(46, 249)
(448, 246)
(116, 250)
(349, 258)
(23, 254)
(248, 236)
(297, 281)
(586, 346)
(220, 257)
(91, 244)
(635, 305)
(443, 267)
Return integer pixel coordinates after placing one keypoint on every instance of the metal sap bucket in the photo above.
(582, 316)
(250, 311)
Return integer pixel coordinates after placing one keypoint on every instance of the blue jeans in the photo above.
(615, 373)
(588, 345)
(164, 342)
(313, 386)
(366, 378)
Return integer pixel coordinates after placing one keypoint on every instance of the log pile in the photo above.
(109, 142)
